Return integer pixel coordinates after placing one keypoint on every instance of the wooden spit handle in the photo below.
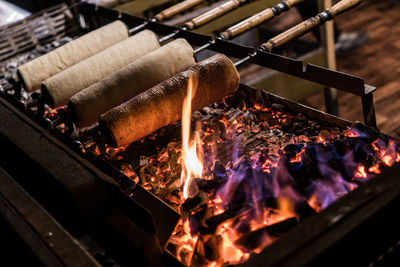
(176, 9)
(213, 13)
(309, 24)
(258, 18)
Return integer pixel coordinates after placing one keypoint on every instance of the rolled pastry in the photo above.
(140, 75)
(59, 88)
(36, 71)
(162, 104)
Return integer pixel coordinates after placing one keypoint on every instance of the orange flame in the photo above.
(192, 163)
(230, 253)
(298, 157)
(286, 207)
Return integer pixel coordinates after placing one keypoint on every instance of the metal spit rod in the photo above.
(279, 40)
(167, 13)
(252, 22)
(207, 17)
(302, 28)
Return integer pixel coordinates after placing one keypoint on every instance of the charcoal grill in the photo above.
(122, 218)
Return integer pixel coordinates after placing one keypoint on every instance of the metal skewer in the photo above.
(252, 22)
(284, 37)
(167, 13)
(278, 40)
(301, 28)
(207, 17)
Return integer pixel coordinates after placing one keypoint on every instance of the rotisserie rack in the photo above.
(249, 178)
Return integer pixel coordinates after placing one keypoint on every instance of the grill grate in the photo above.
(49, 25)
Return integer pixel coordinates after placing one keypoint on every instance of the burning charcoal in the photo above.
(255, 129)
(212, 248)
(308, 171)
(237, 98)
(242, 226)
(304, 210)
(262, 116)
(206, 110)
(149, 169)
(215, 111)
(184, 256)
(196, 116)
(163, 166)
(173, 161)
(291, 150)
(209, 185)
(233, 115)
(173, 197)
(216, 220)
(271, 202)
(324, 134)
(301, 117)
(278, 107)
(369, 134)
(253, 239)
(216, 125)
(175, 183)
(248, 116)
(286, 123)
(210, 139)
(198, 258)
(340, 147)
(143, 161)
(162, 132)
(200, 214)
(219, 170)
(193, 203)
(146, 173)
(242, 105)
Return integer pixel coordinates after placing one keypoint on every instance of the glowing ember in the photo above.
(388, 160)
(249, 174)
(361, 173)
(129, 172)
(374, 169)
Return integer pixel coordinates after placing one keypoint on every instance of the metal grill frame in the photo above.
(384, 187)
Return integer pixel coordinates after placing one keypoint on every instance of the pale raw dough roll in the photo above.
(36, 71)
(59, 88)
(140, 75)
(162, 104)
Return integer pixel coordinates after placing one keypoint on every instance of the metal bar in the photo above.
(328, 42)
(368, 108)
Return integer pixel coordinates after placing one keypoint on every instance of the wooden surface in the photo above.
(377, 62)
